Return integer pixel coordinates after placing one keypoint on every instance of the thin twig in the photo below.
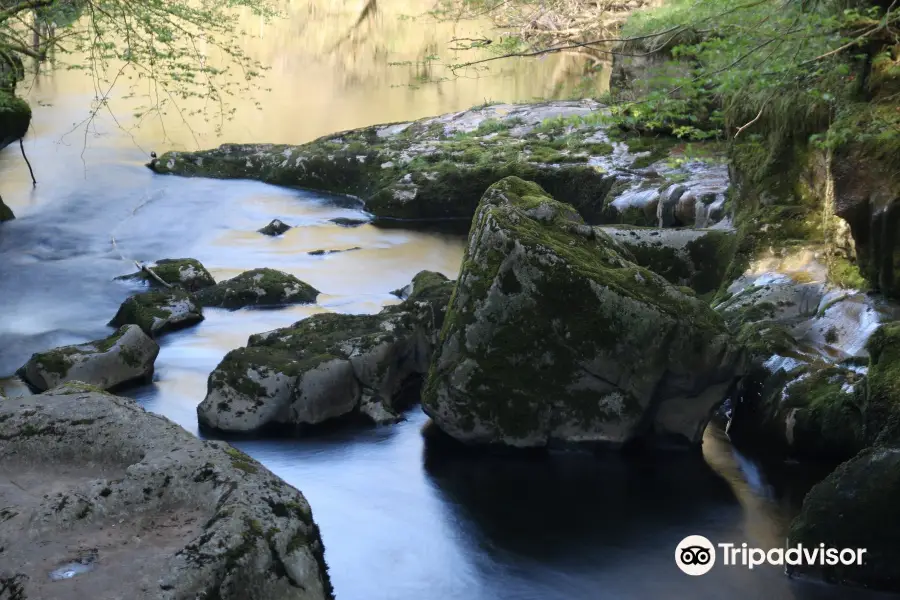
(27, 162)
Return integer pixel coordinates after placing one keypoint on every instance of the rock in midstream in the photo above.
(555, 335)
(329, 365)
(125, 356)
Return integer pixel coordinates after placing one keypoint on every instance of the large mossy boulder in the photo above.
(553, 335)
(855, 507)
(438, 168)
(328, 366)
(160, 311)
(146, 509)
(184, 273)
(259, 287)
(126, 356)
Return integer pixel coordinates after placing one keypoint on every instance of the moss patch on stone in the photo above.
(258, 287)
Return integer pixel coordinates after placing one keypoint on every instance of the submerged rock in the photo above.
(167, 516)
(438, 168)
(276, 227)
(553, 335)
(159, 312)
(123, 357)
(185, 273)
(327, 366)
(345, 222)
(259, 287)
(326, 252)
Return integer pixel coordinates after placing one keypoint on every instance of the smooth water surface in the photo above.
(401, 519)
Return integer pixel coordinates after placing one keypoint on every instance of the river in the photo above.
(400, 519)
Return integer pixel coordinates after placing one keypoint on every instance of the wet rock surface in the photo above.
(126, 356)
(259, 287)
(159, 312)
(106, 500)
(805, 394)
(438, 168)
(553, 336)
(184, 273)
(328, 366)
(695, 258)
(275, 228)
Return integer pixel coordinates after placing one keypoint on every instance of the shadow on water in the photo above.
(578, 525)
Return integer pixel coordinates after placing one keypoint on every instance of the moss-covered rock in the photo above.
(328, 366)
(801, 409)
(185, 273)
(553, 336)
(125, 356)
(15, 117)
(158, 312)
(275, 227)
(696, 258)
(6, 213)
(883, 392)
(438, 168)
(855, 507)
(259, 287)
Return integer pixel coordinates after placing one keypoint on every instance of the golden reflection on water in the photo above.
(334, 68)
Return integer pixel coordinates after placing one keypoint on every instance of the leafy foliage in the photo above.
(166, 51)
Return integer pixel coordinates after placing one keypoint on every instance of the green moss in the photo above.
(243, 462)
(78, 387)
(149, 311)
(15, 118)
(883, 397)
(510, 397)
(277, 288)
(843, 273)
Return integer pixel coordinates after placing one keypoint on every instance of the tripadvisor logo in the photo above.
(696, 555)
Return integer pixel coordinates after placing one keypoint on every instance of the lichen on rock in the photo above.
(158, 312)
(167, 516)
(438, 168)
(126, 356)
(184, 273)
(328, 366)
(553, 335)
(258, 287)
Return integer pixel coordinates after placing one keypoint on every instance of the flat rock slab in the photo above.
(101, 500)
(437, 168)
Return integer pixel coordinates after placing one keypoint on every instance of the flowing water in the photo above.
(401, 520)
